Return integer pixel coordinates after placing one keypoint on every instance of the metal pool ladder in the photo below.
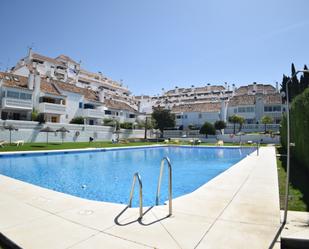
(136, 175)
(169, 184)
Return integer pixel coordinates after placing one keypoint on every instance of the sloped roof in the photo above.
(272, 98)
(15, 81)
(112, 104)
(45, 58)
(197, 89)
(201, 107)
(65, 58)
(49, 87)
(260, 88)
(88, 93)
(242, 100)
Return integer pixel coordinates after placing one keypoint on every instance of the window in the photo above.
(250, 109)
(26, 96)
(80, 105)
(200, 115)
(276, 108)
(132, 116)
(245, 109)
(54, 119)
(178, 117)
(108, 112)
(12, 94)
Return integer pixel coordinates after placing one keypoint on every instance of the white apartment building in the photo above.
(196, 105)
(64, 69)
(57, 101)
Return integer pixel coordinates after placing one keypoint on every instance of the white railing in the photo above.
(92, 113)
(17, 103)
(51, 108)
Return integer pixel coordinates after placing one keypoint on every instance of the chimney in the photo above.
(30, 80)
(254, 87)
(101, 96)
(225, 85)
(37, 82)
(176, 90)
(208, 87)
(277, 86)
(30, 52)
(37, 88)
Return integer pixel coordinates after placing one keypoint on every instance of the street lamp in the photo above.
(288, 144)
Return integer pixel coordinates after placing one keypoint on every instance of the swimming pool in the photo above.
(107, 175)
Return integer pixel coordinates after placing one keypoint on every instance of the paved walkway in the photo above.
(237, 209)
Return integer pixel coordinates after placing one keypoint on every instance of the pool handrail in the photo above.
(169, 184)
(136, 175)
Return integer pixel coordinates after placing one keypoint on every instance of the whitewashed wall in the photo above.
(29, 131)
(72, 106)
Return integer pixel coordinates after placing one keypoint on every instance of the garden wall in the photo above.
(29, 131)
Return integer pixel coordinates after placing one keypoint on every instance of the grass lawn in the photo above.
(299, 184)
(60, 146)
(82, 145)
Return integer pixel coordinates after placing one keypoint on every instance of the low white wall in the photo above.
(228, 138)
(29, 131)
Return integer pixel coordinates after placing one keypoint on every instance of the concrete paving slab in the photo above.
(237, 235)
(148, 231)
(102, 240)
(237, 208)
(48, 232)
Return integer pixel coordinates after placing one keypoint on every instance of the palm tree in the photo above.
(220, 125)
(234, 120)
(266, 120)
(241, 121)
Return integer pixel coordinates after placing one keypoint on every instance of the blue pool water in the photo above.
(107, 175)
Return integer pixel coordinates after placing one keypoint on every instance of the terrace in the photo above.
(48, 219)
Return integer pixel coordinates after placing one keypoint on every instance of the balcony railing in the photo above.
(52, 108)
(16, 104)
(92, 113)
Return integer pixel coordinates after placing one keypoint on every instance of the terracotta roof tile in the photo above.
(260, 88)
(45, 58)
(202, 107)
(49, 87)
(65, 58)
(88, 93)
(242, 100)
(118, 105)
(273, 98)
(15, 81)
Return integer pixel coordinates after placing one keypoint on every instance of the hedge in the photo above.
(299, 126)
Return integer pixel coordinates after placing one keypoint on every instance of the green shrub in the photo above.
(34, 115)
(299, 127)
(77, 120)
(208, 129)
(40, 118)
(126, 125)
(109, 122)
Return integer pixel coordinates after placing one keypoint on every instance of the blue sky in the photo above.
(163, 43)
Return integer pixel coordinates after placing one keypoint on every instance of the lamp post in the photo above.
(286, 202)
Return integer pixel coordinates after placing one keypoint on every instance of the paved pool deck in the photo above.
(237, 209)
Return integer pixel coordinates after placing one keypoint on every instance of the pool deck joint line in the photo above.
(238, 208)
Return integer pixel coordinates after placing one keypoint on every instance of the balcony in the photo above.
(91, 113)
(10, 103)
(51, 108)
